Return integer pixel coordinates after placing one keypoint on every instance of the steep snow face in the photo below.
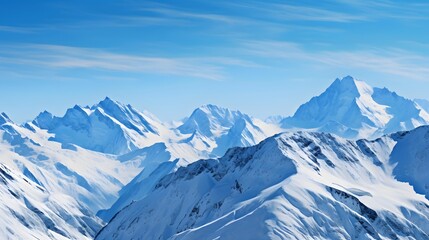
(140, 141)
(29, 211)
(152, 160)
(215, 129)
(423, 104)
(347, 101)
(352, 109)
(55, 189)
(210, 120)
(107, 127)
(411, 159)
(291, 186)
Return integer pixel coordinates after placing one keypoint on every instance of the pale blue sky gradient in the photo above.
(169, 57)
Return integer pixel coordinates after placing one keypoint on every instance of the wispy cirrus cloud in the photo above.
(387, 9)
(295, 12)
(13, 29)
(227, 13)
(186, 14)
(66, 57)
(391, 61)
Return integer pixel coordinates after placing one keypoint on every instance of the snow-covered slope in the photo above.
(351, 108)
(108, 127)
(411, 159)
(115, 128)
(157, 161)
(291, 186)
(423, 103)
(216, 129)
(29, 211)
(208, 132)
(63, 170)
(55, 189)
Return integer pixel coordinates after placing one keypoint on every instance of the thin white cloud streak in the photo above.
(386, 9)
(252, 13)
(387, 61)
(289, 12)
(175, 13)
(66, 57)
(14, 29)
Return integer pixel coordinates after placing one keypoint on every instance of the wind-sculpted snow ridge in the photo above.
(351, 108)
(291, 186)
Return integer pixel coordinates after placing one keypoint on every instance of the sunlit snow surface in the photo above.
(65, 177)
(78, 164)
(351, 108)
(292, 186)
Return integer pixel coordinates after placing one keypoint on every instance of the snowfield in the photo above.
(220, 173)
(292, 186)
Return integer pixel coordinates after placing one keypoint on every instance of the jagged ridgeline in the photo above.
(112, 167)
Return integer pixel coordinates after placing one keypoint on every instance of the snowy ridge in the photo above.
(208, 132)
(71, 173)
(108, 127)
(293, 185)
(216, 129)
(57, 188)
(351, 108)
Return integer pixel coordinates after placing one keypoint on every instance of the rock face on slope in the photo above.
(64, 169)
(208, 132)
(350, 108)
(291, 186)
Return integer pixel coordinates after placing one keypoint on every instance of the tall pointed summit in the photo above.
(351, 108)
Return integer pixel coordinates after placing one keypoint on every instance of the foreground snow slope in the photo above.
(291, 186)
(208, 132)
(55, 189)
(351, 108)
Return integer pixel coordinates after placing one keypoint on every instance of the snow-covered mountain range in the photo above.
(67, 176)
(301, 185)
(81, 162)
(351, 108)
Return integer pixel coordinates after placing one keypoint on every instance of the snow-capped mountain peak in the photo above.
(127, 115)
(290, 186)
(351, 108)
(108, 127)
(217, 129)
(43, 120)
(210, 120)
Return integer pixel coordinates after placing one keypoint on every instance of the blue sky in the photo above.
(169, 57)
